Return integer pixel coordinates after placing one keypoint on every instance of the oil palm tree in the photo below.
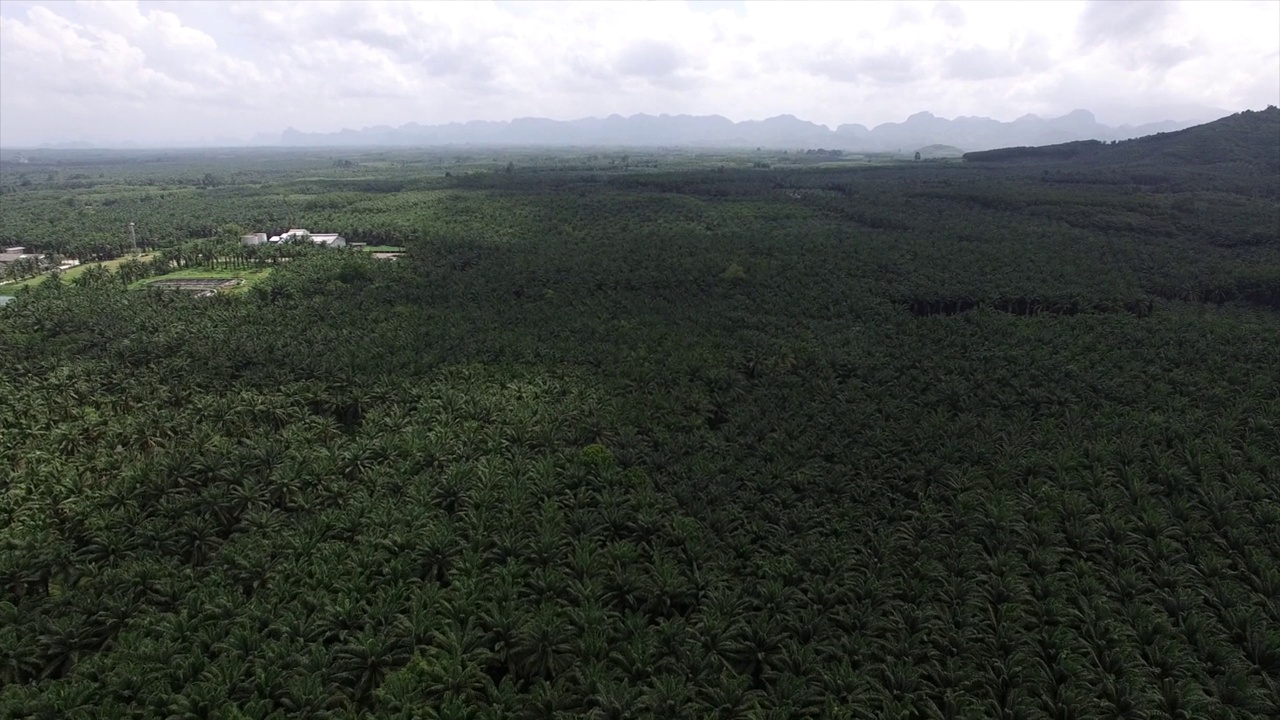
(542, 648)
(358, 667)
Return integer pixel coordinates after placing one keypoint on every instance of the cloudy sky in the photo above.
(158, 72)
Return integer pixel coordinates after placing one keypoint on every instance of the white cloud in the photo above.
(174, 71)
(949, 13)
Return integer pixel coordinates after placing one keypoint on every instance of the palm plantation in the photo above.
(553, 464)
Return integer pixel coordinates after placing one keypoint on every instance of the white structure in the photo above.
(253, 238)
(329, 240)
(16, 253)
(295, 234)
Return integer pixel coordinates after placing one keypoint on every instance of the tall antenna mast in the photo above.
(133, 239)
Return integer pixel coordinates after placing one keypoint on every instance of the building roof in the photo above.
(9, 257)
(6, 299)
(301, 234)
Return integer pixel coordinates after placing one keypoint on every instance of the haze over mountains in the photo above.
(920, 131)
(714, 131)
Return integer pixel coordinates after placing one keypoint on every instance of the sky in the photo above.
(164, 73)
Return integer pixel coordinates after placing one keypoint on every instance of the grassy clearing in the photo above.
(383, 248)
(78, 270)
(82, 268)
(251, 276)
(7, 287)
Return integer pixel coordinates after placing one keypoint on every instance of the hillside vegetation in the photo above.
(940, 151)
(671, 437)
(1248, 143)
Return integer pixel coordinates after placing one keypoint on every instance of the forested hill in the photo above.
(1247, 141)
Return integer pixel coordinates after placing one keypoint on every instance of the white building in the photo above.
(254, 238)
(17, 252)
(322, 239)
(329, 239)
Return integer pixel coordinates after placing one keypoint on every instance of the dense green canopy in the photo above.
(920, 441)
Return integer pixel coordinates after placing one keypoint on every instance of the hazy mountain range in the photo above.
(713, 131)
(917, 132)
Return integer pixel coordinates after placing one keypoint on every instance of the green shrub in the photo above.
(734, 272)
(597, 455)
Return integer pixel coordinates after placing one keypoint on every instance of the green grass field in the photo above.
(78, 270)
(23, 283)
(82, 268)
(251, 276)
(383, 248)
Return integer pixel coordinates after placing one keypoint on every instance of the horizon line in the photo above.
(278, 137)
